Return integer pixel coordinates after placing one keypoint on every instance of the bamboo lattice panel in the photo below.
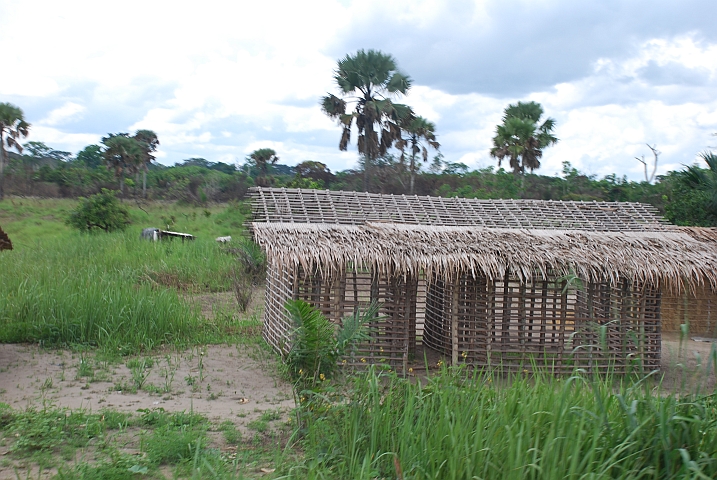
(513, 324)
(392, 333)
(282, 205)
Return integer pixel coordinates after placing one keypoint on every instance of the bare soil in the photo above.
(220, 381)
(224, 382)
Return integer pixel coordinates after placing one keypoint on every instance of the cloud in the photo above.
(219, 80)
(66, 113)
(514, 47)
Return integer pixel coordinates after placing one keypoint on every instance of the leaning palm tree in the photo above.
(521, 139)
(122, 154)
(419, 130)
(369, 80)
(12, 127)
(149, 142)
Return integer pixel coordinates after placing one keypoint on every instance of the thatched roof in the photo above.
(355, 208)
(671, 258)
(5, 243)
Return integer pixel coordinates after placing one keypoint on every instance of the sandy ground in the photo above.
(235, 382)
(223, 382)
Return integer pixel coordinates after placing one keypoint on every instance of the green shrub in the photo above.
(101, 211)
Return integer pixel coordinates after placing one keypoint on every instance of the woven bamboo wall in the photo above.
(698, 309)
(277, 325)
(512, 324)
(392, 333)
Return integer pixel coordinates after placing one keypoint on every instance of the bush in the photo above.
(101, 211)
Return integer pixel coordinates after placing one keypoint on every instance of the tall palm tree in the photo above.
(123, 154)
(12, 127)
(705, 180)
(521, 138)
(262, 158)
(148, 142)
(369, 80)
(419, 130)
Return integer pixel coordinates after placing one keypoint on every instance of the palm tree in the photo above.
(369, 79)
(12, 127)
(419, 130)
(149, 142)
(521, 139)
(705, 180)
(123, 154)
(262, 158)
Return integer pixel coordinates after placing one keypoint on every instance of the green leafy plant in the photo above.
(102, 211)
(318, 344)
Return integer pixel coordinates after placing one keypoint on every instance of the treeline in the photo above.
(44, 172)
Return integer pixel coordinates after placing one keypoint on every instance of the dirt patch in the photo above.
(689, 364)
(238, 383)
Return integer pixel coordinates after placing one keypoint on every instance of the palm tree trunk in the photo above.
(121, 180)
(413, 174)
(366, 173)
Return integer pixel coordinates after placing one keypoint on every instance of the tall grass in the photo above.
(108, 290)
(461, 426)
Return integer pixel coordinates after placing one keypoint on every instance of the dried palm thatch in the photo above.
(671, 259)
(572, 284)
(5, 243)
(284, 205)
(698, 308)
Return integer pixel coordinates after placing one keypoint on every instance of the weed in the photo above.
(271, 415)
(140, 368)
(260, 426)
(231, 434)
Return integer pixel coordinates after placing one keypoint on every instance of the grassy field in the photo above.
(112, 291)
(116, 296)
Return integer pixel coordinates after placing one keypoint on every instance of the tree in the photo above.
(314, 170)
(521, 139)
(148, 142)
(12, 127)
(369, 79)
(100, 212)
(262, 158)
(122, 154)
(90, 156)
(704, 180)
(419, 130)
(656, 153)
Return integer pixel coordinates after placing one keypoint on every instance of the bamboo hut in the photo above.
(505, 283)
(696, 308)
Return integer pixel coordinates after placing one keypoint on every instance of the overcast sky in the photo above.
(219, 79)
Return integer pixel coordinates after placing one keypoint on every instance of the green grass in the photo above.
(112, 291)
(459, 425)
(81, 445)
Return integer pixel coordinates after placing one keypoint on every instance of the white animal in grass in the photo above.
(224, 239)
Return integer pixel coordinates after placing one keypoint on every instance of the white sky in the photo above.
(221, 79)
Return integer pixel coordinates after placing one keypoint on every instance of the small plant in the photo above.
(260, 426)
(317, 345)
(231, 434)
(102, 211)
(168, 373)
(140, 369)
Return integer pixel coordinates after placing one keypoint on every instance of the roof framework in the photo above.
(284, 205)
